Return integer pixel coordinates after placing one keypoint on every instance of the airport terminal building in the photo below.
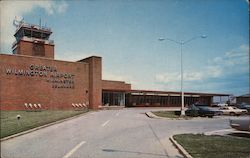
(32, 78)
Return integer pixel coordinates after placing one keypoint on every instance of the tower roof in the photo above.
(32, 40)
(31, 30)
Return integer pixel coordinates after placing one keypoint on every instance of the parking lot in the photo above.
(110, 133)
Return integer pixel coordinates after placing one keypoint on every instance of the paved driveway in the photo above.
(126, 133)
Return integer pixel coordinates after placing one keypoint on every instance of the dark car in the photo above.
(244, 106)
(242, 123)
(202, 110)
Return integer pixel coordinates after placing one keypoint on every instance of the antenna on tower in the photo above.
(40, 22)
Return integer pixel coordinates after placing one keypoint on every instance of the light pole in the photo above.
(181, 43)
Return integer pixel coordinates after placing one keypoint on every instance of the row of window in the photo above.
(113, 98)
(118, 98)
(164, 100)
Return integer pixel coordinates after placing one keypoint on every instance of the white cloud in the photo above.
(235, 60)
(213, 71)
(193, 76)
(10, 9)
(62, 7)
(237, 56)
(174, 76)
(232, 62)
(241, 51)
(167, 77)
(217, 59)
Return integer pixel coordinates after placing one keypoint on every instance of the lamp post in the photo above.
(182, 43)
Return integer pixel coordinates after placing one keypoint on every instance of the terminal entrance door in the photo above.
(110, 98)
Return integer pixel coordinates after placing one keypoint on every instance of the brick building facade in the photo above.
(31, 78)
(51, 83)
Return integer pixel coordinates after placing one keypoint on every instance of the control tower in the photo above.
(32, 40)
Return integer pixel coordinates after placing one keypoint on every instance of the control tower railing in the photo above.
(23, 24)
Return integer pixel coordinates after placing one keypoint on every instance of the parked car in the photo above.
(230, 110)
(245, 106)
(219, 104)
(242, 124)
(222, 104)
(202, 110)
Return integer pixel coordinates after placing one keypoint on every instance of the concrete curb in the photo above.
(180, 148)
(40, 127)
(111, 107)
(151, 115)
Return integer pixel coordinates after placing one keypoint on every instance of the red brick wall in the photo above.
(95, 81)
(115, 85)
(15, 90)
(49, 51)
(26, 48)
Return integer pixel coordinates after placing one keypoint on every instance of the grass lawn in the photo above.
(10, 125)
(168, 114)
(201, 146)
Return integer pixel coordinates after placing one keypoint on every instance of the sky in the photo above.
(125, 34)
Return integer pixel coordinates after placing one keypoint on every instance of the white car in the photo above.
(222, 104)
(229, 110)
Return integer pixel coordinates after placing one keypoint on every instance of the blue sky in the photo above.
(125, 33)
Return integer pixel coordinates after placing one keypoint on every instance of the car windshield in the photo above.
(224, 108)
(247, 106)
(243, 103)
(203, 105)
(193, 107)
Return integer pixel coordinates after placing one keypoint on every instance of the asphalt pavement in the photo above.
(124, 133)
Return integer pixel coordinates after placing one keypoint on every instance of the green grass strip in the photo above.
(202, 146)
(167, 114)
(10, 125)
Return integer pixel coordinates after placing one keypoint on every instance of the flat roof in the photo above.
(172, 92)
(245, 95)
(33, 26)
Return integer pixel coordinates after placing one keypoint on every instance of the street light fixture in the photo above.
(181, 43)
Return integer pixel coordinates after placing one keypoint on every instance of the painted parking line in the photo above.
(105, 123)
(74, 149)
